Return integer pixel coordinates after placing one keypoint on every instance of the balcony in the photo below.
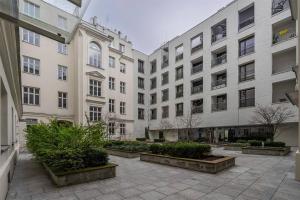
(179, 94)
(197, 65)
(284, 31)
(219, 57)
(246, 17)
(197, 106)
(280, 89)
(179, 57)
(219, 103)
(246, 46)
(246, 22)
(247, 102)
(197, 86)
(284, 61)
(218, 31)
(279, 6)
(218, 80)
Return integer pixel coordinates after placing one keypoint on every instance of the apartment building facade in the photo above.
(217, 73)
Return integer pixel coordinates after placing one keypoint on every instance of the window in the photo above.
(112, 62)
(31, 65)
(153, 114)
(153, 66)
(197, 66)
(122, 68)
(197, 106)
(246, 17)
(122, 129)
(246, 72)
(62, 99)
(111, 128)
(179, 73)
(153, 98)
(165, 95)
(122, 108)
(165, 112)
(111, 105)
(31, 37)
(141, 113)
(111, 83)
(62, 48)
(122, 48)
(141, 98)
(247, 97)
(179, 109)
(31, 9)
(197, 43)
(279, 6)
(165, 78)
(165, 57)
(95, 113)
(122, 87)
(179, 91)
(153, 83)
(197, 86)
(218, 31)
(179, 53)
(31, 96)
(219, 103)
(246, 46)
(62, 22)
(141, 83)
(219, 57)
(62, 73)
(140, 66)
(94, 55)
(95, 88)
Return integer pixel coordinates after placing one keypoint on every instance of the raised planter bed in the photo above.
(124, 154)
(271, 151)
(232, 148)
(212, 164)
(82, 175)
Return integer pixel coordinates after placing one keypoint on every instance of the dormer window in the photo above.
(94, 55)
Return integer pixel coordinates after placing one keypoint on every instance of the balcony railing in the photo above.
(164, 81)
(279, 6)
(219, 60)
(247, 102)
(246, 51)
(217, 37)
(179, 57)
(247, 77)
(196, 89)
(219, 106)
(165, 63)
(197, 109)
(246, 22)
(197, 68)
(281, 36)
(165, 98)
(196, 48)
(179, 76)
(179, 94)
(221, 83)
(165, 115)
(153, 101)
(179, 112)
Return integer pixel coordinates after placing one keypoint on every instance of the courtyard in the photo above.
(253, 178)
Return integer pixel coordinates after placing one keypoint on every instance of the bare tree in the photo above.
(272, 117)
(189, 122)
(165, 125)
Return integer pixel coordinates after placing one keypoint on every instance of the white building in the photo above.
(219, 71)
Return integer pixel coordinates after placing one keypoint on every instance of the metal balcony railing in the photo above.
(247, 102)
(247, 77)
(179, 57)
(197, 68)
(246, 22)
(196, 48)
(179, 94)
(219, 36)
(279, 6)
(196, 89)
(179, 112)
(281, 36)
(179, 76)
(219, 106)
(246, 51)
(219, 84)
(197, 109)
(165, 98)
(219, 60)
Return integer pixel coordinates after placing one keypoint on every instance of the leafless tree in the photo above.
(272, 117)
(165, 125)
(189, 122)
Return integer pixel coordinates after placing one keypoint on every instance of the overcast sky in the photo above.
(150, 23)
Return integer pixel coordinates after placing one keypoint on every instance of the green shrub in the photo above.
(241, 141)
(275, 144)
(255, 143)
(141, 139)
(182, 150)
(239, 144)
(129, 146)
(159, 140)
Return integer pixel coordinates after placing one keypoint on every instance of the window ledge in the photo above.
(248, 54)
(245, 81)
(282, 41)
(219, 41)
(246, 28)
(94, 66)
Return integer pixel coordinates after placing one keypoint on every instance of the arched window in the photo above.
(94, 54)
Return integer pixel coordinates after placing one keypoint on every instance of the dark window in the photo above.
(246, 72)
(153, 114)
(140, 66)
(141, 83)
(141, 98)
(179, 91)
(246, 46)
(219, 103)
(247, 97)
(179, 72)
(279, 6)
(197, 66)
(153, 98)
(165, 111)
(197, 106)
(165, 78)
(165, 95)
(153, 66)
(141, 113)
(179, 109)
(153, 83)
(246, 17)
(218, 31)
(197, 86)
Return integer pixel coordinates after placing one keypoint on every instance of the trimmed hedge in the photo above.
(256, 143)
(238, 144)
(128, 146)
(182, 150)
(159, 140)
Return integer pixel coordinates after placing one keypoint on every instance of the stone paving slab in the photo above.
(254, 177)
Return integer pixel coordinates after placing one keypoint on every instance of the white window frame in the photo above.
(122, 87)
(31, 65)
(122, 68)
(122, 108)
(122, 129)
(112, 62)
(95, 54)
(111, 83)
(122, 47)
(111, 128)
(63, 100)
(31, 7)
(95, 113)
(34, 94)
(95, 88)
(111, 105)
(62, 48)
(62, 73)
(30, 37)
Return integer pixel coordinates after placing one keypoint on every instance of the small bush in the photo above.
(241, 141)
(182, 150)
(159, 140)
(275, 144)
(255, 143)
(129, 146)
(141, 139)
(239, 144)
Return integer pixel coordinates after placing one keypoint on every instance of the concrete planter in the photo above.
(123, 154)
(215, 166)
(82, 175)
(271, 151)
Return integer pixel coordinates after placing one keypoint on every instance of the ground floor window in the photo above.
(122, 129)
(111, 128)
(95, 113)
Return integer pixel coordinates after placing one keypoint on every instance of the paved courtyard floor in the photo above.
(253, 178)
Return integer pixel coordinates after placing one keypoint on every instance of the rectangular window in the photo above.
(246, 17)
(122, 129)
(31, 96)
(179, 53)
(95, 88)
(165, 78)
(179, 73)
(122, 87)
(62, 99)
(111, 128)
(179, 109)
(141, 98)
(153, 114)
(165, 112)
(279, 6)
(179, 91)
(111, 105)
(111, 83)
(197, 66)
(141, 66)
(141, 83)
(141, 114)
(197, 106)
(197, 86)
(62, 48)
(122, 68)
(153, 98)
(246, 46)
(31, 65)
(153, 66)
(219, 31)
(197, 43)
(247, 98)
(62, 22)
(95, 113)
(165, 95)
(122, 48)
(62, 72)
(31, 37)
(112, 62)
(122, 108)
(31, 9)
(219, 103)
(153, 83)
(246, 72)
